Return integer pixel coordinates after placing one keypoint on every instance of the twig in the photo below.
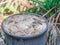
(51, 17)
(57, 18)
(58, 30)
(49, 11)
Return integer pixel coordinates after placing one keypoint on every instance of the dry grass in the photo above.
(53, 30)
(15, 6)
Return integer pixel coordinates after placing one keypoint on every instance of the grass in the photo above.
(46, 5)
(39, 7)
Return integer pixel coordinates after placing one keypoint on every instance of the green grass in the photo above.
(45, 6)
(51, 3)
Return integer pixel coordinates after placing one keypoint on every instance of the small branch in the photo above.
(57, 18)
(49, 11)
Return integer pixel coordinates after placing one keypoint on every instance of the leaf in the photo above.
(11, 8)
(1, 9)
